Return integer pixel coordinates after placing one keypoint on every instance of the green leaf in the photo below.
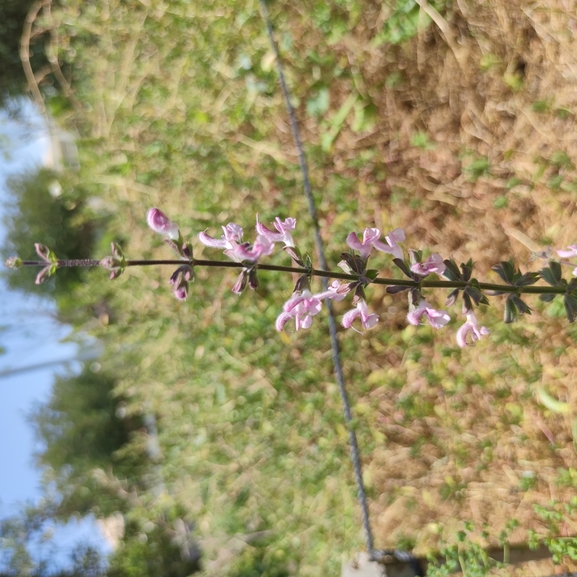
(522, 307)
(394, 289)
(452, 271)
(551, 403)
(510, 310)
(570, 303)
(372, 273)
(476, 294)
(546, 298)
(505, 270)
(552, 274)
(467, 302)
(527, 279)
(467, 269)
(404, 267)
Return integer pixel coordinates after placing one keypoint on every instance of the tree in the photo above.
(26, 547)
(81, 432)
(12, 78)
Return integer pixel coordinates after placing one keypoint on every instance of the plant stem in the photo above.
(313, 272)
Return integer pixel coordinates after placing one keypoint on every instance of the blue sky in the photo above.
(29, 336)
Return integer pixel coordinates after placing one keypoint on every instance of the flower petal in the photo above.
(159, 222)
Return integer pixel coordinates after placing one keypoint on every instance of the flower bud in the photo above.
(240, 283)
(181, 292)
(110, 262)
(179, 280)
(13, 262)
(159, 222)
(252, 279)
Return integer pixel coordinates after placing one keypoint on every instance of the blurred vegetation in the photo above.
(12, 78)
(447, 119)
(46, 207)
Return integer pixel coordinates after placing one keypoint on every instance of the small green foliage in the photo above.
(555, 182)
(318, 105)
(514, 81)
(489, 61)
(553, 515)
(542, 106)
(563, 113)
(513, 182)
(561, 159)
(501, 202)
(422, 140)
(527, 481)
(464, 556)
(477, 168)
(394, 80)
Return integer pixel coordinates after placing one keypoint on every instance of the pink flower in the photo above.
(369, 237)
(284, 230)
(300, 307)
(436, 318)
(571, 251)
(245, 252)
(336, 291)
(471, 327)
(367, 320)
(398, 235)
(159, 222)
(231, 237)
(433, 264)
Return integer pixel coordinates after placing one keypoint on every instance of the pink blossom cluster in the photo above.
(303, 305)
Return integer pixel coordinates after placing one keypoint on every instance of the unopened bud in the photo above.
(252, 279)
(181, 292)
(187, 250)
(110, 262)
(159, 222)
(180, 279)
(240, 283)
(303, 283)
(13, 262)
